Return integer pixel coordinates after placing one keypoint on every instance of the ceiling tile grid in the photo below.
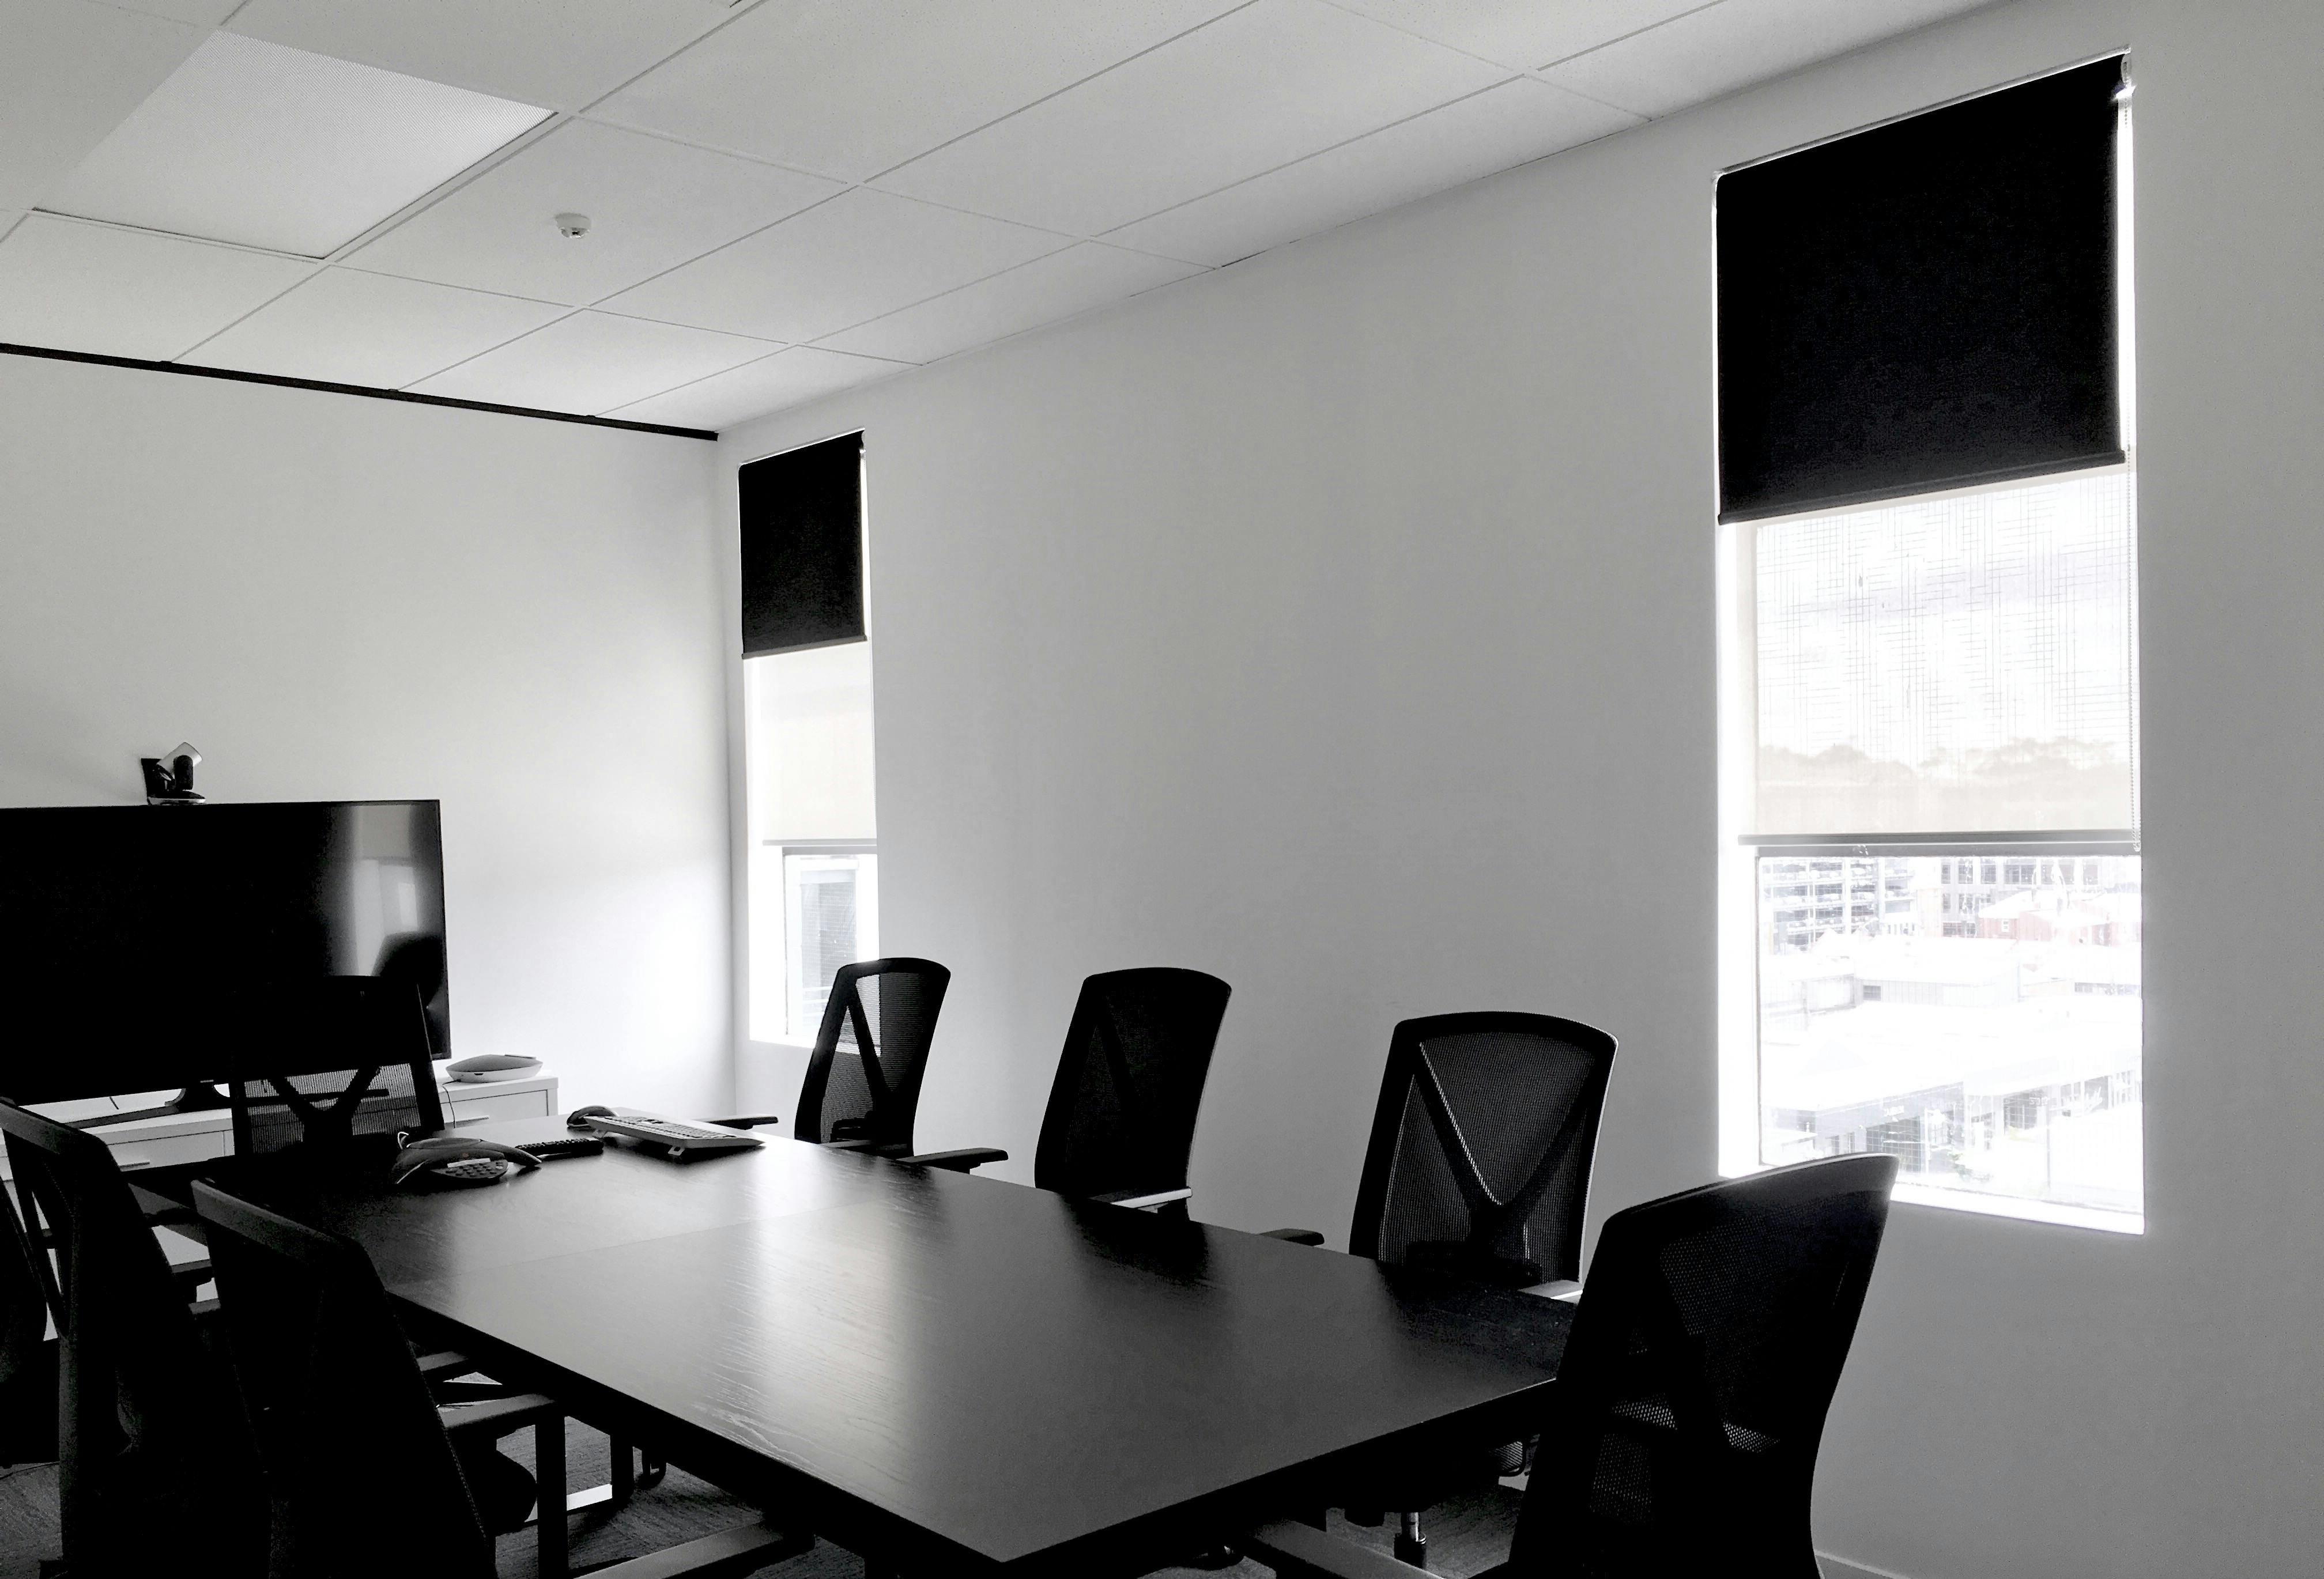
(562, 53)
(591, 363)
(1724, 47)
(894, 181)
(72, 71)
(787, 378)
(1273, 82)
(79, 286)
(282, 149)
(863, 254)
(1518, 121)
(652, 205)
(342, 326)
(1045, 290)
(1524, 34)
(850, 88)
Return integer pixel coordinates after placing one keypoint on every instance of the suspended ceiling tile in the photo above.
(856, 257)
(651, 204)
(1523, 33)
(1076, 280)
(591, 363)
(77, 287)
(1502, 126)
(1272, 83)
(850, 88)
(1734, 44)
(70, 71)
(562, 53)
(264, 146)
(346, 327)
(788, 377)
(193, 12)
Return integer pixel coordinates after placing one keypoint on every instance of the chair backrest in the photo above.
(1481, 1145)
(1121, 1114)
(324, 1062)
(151, 1447)
(1690, 1400)
(364, 1481)
(28, 1356)
(863, 1077)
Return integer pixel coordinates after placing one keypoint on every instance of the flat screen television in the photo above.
(135, 940)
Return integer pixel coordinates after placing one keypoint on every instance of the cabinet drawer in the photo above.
(466, 1109)
(162, 1151)
(173, 1151)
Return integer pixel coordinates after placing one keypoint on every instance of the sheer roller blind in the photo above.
(1957, 665)
(802, 517)
(1924, 305)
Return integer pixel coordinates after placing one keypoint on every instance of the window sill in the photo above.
(2028, 1211)
(2003, 1205)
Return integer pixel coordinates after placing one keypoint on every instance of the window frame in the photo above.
(796, 1030)
(1735, 920)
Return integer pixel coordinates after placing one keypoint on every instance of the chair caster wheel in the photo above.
(1411, 1546)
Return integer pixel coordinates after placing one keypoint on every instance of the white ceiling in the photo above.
(786, 197)
(182, 161)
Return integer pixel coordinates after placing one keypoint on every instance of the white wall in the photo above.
(1342, 624)
(345, 597)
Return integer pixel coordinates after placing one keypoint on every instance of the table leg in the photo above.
(548, 1473)
(625, 1472)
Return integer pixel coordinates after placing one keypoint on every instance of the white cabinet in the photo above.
(178, 1138)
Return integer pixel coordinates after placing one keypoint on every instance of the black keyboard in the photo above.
(556, 1150)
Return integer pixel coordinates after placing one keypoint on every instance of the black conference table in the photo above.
(951, 1375)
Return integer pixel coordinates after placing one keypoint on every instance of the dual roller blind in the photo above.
(802, 516)
(1919, 308)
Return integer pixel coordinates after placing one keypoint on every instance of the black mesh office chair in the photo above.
(1121, 1119)
(1480, 1150)
(862, 1085)
(1479, 1167)
(156, 1472)
(353, 1445)
(325, 1063)
(1682, 1435)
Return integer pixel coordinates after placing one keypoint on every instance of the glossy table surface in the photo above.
(955, 1373)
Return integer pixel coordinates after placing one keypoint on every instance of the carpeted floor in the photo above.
(1463, 1538)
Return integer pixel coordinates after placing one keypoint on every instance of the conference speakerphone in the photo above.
(677, 1139)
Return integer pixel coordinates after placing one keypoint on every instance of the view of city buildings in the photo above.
(1976, 1015)
(1942, 804)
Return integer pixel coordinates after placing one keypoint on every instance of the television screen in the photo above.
(136, 940)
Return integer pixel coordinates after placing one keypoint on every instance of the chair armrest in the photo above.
(1294, 1236)
(496, 1418)
(961, 1161)
(1301, 1551)
(731, 1554)
(1140, 1201)
(745, 1120)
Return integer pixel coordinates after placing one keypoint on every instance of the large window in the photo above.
(815, 863)
(1932, 915)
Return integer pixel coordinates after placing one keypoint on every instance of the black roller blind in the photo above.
(803, 547)
(1924, 305)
